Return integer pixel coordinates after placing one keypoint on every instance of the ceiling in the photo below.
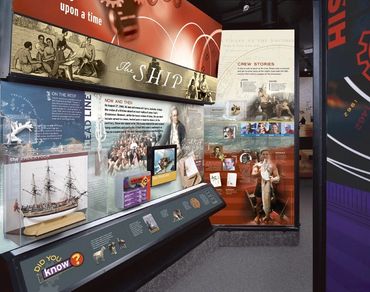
(295, 14)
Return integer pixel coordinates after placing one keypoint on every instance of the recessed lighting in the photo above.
(246, 7)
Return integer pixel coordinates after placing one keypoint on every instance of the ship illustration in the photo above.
(45, 208)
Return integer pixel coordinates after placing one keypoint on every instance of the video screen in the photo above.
(162, 164)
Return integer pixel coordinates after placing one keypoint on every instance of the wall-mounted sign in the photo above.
(175, 31)
(249, 142)
(348, 151)
(43, 50)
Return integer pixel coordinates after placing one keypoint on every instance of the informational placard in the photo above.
(42, 50)
(123, 128)
(249, 142)
(163, 29)
(41, 117)
(348, 152)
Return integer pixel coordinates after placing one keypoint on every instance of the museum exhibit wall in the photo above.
(97, 132)
(348, 151)
(253, 124)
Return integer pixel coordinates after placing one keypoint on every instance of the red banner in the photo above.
(175, 31)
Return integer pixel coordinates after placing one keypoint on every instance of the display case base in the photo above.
(51, 225)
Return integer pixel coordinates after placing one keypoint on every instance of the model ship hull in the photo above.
(27, 221)
(52, 209)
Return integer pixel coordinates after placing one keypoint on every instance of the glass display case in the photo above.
(65, 151)
(78, 166)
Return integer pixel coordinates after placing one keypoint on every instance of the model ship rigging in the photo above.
(48, 208)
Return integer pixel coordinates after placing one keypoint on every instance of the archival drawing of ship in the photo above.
(44, 207)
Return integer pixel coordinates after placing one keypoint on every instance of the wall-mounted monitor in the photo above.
(162, 163)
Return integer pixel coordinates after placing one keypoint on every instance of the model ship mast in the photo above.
(34, 191)
(70, 184)
(48, 186)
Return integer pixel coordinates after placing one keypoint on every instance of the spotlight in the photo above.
(246, 7)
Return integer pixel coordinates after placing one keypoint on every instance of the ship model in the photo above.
(47, 209)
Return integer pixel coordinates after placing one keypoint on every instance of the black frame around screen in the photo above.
(151, 158)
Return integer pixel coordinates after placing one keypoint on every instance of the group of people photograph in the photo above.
(265, 128)
(198, 88)
(271, 107)
(57, 57)
(130, 151)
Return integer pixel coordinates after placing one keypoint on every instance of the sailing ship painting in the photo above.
(51, 189)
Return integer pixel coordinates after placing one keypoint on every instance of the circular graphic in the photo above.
(348, 103)
(76, 259)
(245, 158)
(195, 203)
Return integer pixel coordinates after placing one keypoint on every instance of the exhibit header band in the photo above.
(174, 31)
(39, 49)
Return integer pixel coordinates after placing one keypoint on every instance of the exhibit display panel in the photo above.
(90, 155)
(41, 50)
(348, 153)
(250, 149)
(175, 31)
(72, 259)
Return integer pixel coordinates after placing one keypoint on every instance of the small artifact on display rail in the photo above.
(151, 223)
(99, 255)
(177, 215)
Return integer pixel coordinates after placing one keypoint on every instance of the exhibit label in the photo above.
(249, 142)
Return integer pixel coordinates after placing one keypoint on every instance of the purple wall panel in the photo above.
(348, 145)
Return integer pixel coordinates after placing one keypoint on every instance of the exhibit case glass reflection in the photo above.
(75, 167)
